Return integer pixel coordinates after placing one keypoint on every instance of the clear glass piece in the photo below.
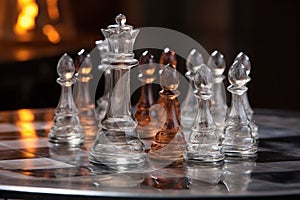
(83, 100)
(66, 129)
(117, 144)
(219, 106)
(238, 140)
(189, 106)
(203, 145)
(244, 59)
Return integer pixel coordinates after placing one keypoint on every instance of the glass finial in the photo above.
(169, 79)
(65, 67)
(217, 63)
(83, 63)
(147, 64)
(244, 59)
(194, 61)
(168, 57)
(237, 74)
(204, 80)
(121, 19)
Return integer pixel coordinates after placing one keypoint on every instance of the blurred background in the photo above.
(35, 33)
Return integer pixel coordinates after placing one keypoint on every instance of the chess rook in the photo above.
(169, 144)
(203, 145)
(117, 144)
(238, 141)
(66, 129)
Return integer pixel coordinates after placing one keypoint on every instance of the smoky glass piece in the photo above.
(66, 129)
(168, 57)
(168, 147)
(203, 145)
(146, 112)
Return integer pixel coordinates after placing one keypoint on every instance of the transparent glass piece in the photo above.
(66, 129)
(189, 106)
(169, 144)
(117, 144)
(238, 140)
(219, 106)
(102, 102)
(244, 59)
(203, 145)
(83, 100)
(146, 116)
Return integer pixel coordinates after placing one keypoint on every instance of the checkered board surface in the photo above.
(26, 159)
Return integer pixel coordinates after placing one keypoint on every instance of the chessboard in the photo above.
(31, 167)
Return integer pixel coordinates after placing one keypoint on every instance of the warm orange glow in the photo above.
(26, 117)
(52, 9)
(51, 33)
(22, 54)
(28, 11)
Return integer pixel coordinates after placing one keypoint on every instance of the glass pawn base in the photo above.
(118, 150)
(69, 140)
(244, 153)
(146, 131)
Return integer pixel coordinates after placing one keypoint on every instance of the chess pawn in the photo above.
(168, 57)
(190, 105)
(147, 118)
(66, 129)
(244, 59)
(102, 102)
(238, 140)
(83, 101)
(219, 106)
(203, 145)
(169, 144)
(117, 145)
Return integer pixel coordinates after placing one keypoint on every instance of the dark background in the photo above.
(267, 31)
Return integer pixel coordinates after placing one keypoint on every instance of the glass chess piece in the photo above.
(244, 59)
(83, 101)
(102, 102)
(203, 145)
(190, 105)
(168, 57)
(169, 144)
(147, 117)
(117, 144)
(217, 64)
(238, 141)
(66, 129)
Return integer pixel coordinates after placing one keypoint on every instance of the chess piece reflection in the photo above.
(238, 140)
(102, 102)
(117, 144)
(203, 145)
(84, 103)
(147, 118)
(237, 174)
(169, 144)
(219, 106)
(244, 59)
(66, 129)
(190, 105)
